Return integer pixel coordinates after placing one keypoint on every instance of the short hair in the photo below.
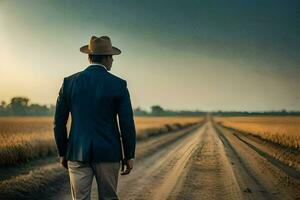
(97, 58)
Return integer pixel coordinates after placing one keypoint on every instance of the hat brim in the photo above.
(85, 49)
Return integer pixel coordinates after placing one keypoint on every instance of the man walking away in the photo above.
(96, 143)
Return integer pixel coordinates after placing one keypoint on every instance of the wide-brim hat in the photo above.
(100, 46)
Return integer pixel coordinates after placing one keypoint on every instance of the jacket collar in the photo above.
(97, 66)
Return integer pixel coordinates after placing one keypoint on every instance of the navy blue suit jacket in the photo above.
(95, 98)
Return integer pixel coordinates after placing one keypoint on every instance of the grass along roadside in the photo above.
(37, 180)
(283, 130)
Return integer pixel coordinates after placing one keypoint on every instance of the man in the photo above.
(96, 144)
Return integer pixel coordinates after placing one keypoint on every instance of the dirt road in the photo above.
(207, 162)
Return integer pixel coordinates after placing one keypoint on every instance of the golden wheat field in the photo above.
(25, 138)
(146, 124)
(283, 130)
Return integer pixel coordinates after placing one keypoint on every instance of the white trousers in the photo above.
(81, 179)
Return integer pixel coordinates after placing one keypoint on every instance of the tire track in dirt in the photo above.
(155, 177)
(173, 178)
(152, 145)
(257, 176)
(288, 170)
(247, 181)
(285, 158)
(210, 174)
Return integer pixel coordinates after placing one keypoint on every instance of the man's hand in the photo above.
(63, 162)
(128, 164)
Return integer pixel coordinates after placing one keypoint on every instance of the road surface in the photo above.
(206, 162)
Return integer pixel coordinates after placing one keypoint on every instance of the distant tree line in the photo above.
(157, 110)
(20, 106)
(282, 112)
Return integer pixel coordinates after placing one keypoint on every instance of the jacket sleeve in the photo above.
(60, 121)
(126, 123)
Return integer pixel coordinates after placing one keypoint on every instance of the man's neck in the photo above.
(100, 64)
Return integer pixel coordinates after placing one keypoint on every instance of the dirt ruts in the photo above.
(147, 151)
(205, 162)
(210, 175)
(259, 175)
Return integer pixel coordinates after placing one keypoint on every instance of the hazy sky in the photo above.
(206, 55)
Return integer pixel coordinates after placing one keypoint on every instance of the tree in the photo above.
(19, 105)
(139, 112)
(3, 104)
(38, 110)
(3, 110)
(157, 110)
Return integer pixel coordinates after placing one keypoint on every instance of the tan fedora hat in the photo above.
(100, 46)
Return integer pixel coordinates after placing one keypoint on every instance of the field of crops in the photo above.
(26, 138)
(281, 130)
